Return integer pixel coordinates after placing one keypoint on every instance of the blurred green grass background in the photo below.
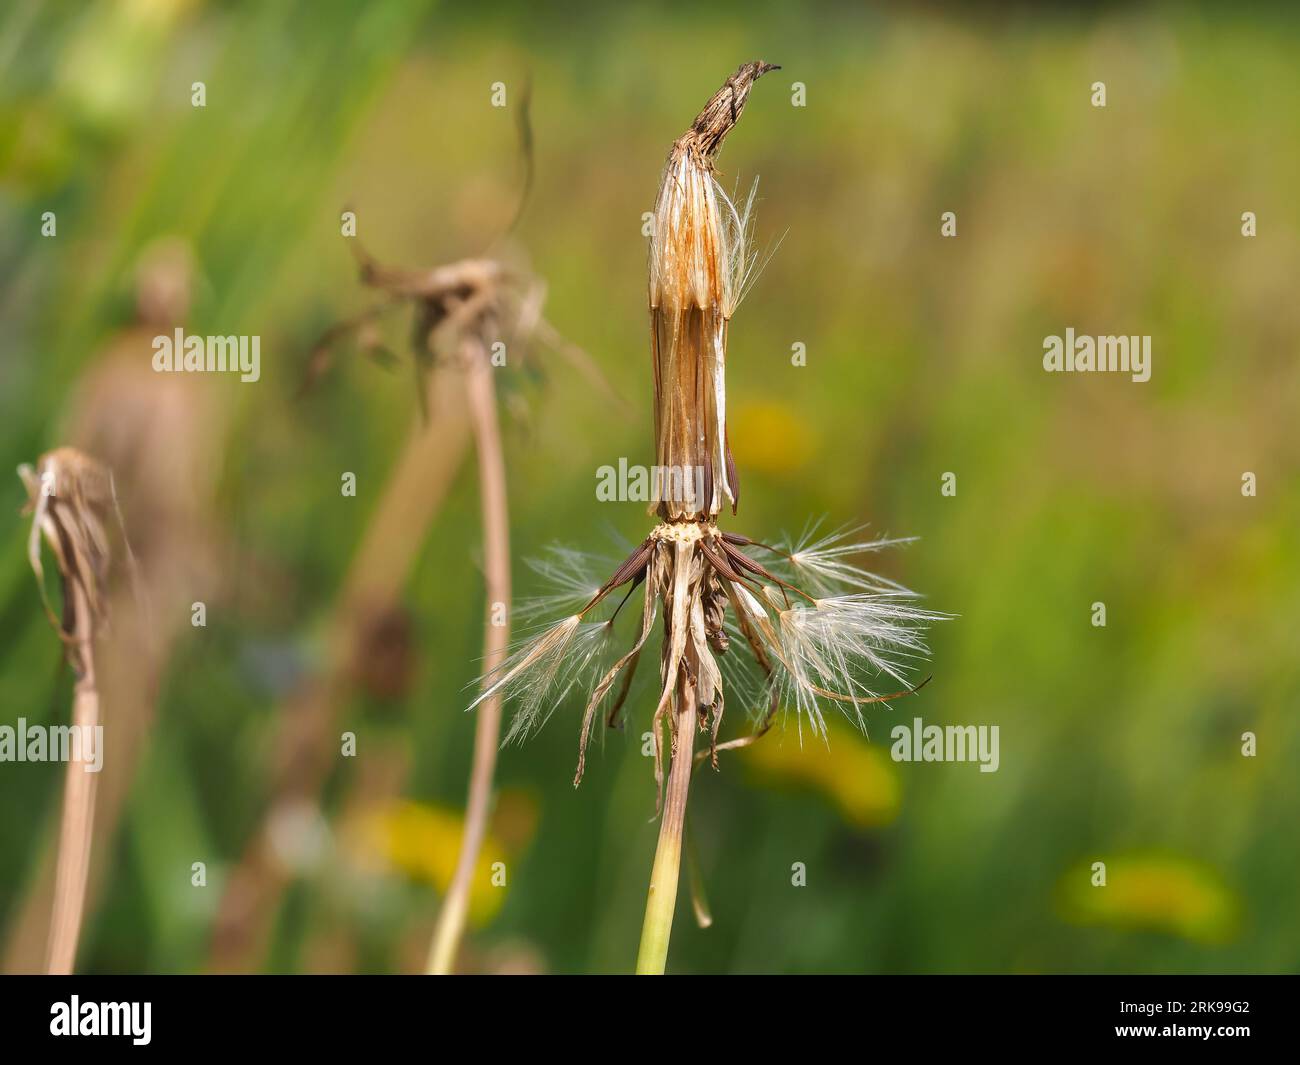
(1120, 744)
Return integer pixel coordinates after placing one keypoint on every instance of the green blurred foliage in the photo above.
(923, 357)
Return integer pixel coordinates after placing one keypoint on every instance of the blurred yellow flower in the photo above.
(855, 776)
(768, 437)
(1152, 892)
(423, 842)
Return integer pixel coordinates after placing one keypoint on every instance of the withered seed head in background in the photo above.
(72, 502)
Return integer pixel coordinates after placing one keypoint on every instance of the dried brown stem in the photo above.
(77, 825)
(481, 392)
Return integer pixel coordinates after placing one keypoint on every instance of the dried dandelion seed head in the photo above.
(817, 627)
(72, 500)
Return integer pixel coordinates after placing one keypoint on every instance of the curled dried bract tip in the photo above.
(72, 499)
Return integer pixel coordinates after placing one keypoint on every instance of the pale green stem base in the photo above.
(661, 900)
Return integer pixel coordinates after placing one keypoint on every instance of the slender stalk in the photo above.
(661, 900)
(481, 393)
(76, 829)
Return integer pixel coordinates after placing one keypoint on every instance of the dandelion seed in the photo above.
(824, 565)
(831, 650)
(528, 673)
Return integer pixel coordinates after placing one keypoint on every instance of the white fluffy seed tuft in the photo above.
(542, 672)
(841, 646)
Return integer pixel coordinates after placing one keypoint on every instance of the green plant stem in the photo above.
(661, 900)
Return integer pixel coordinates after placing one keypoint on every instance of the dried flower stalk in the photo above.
(481, 393)
(468, 307)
